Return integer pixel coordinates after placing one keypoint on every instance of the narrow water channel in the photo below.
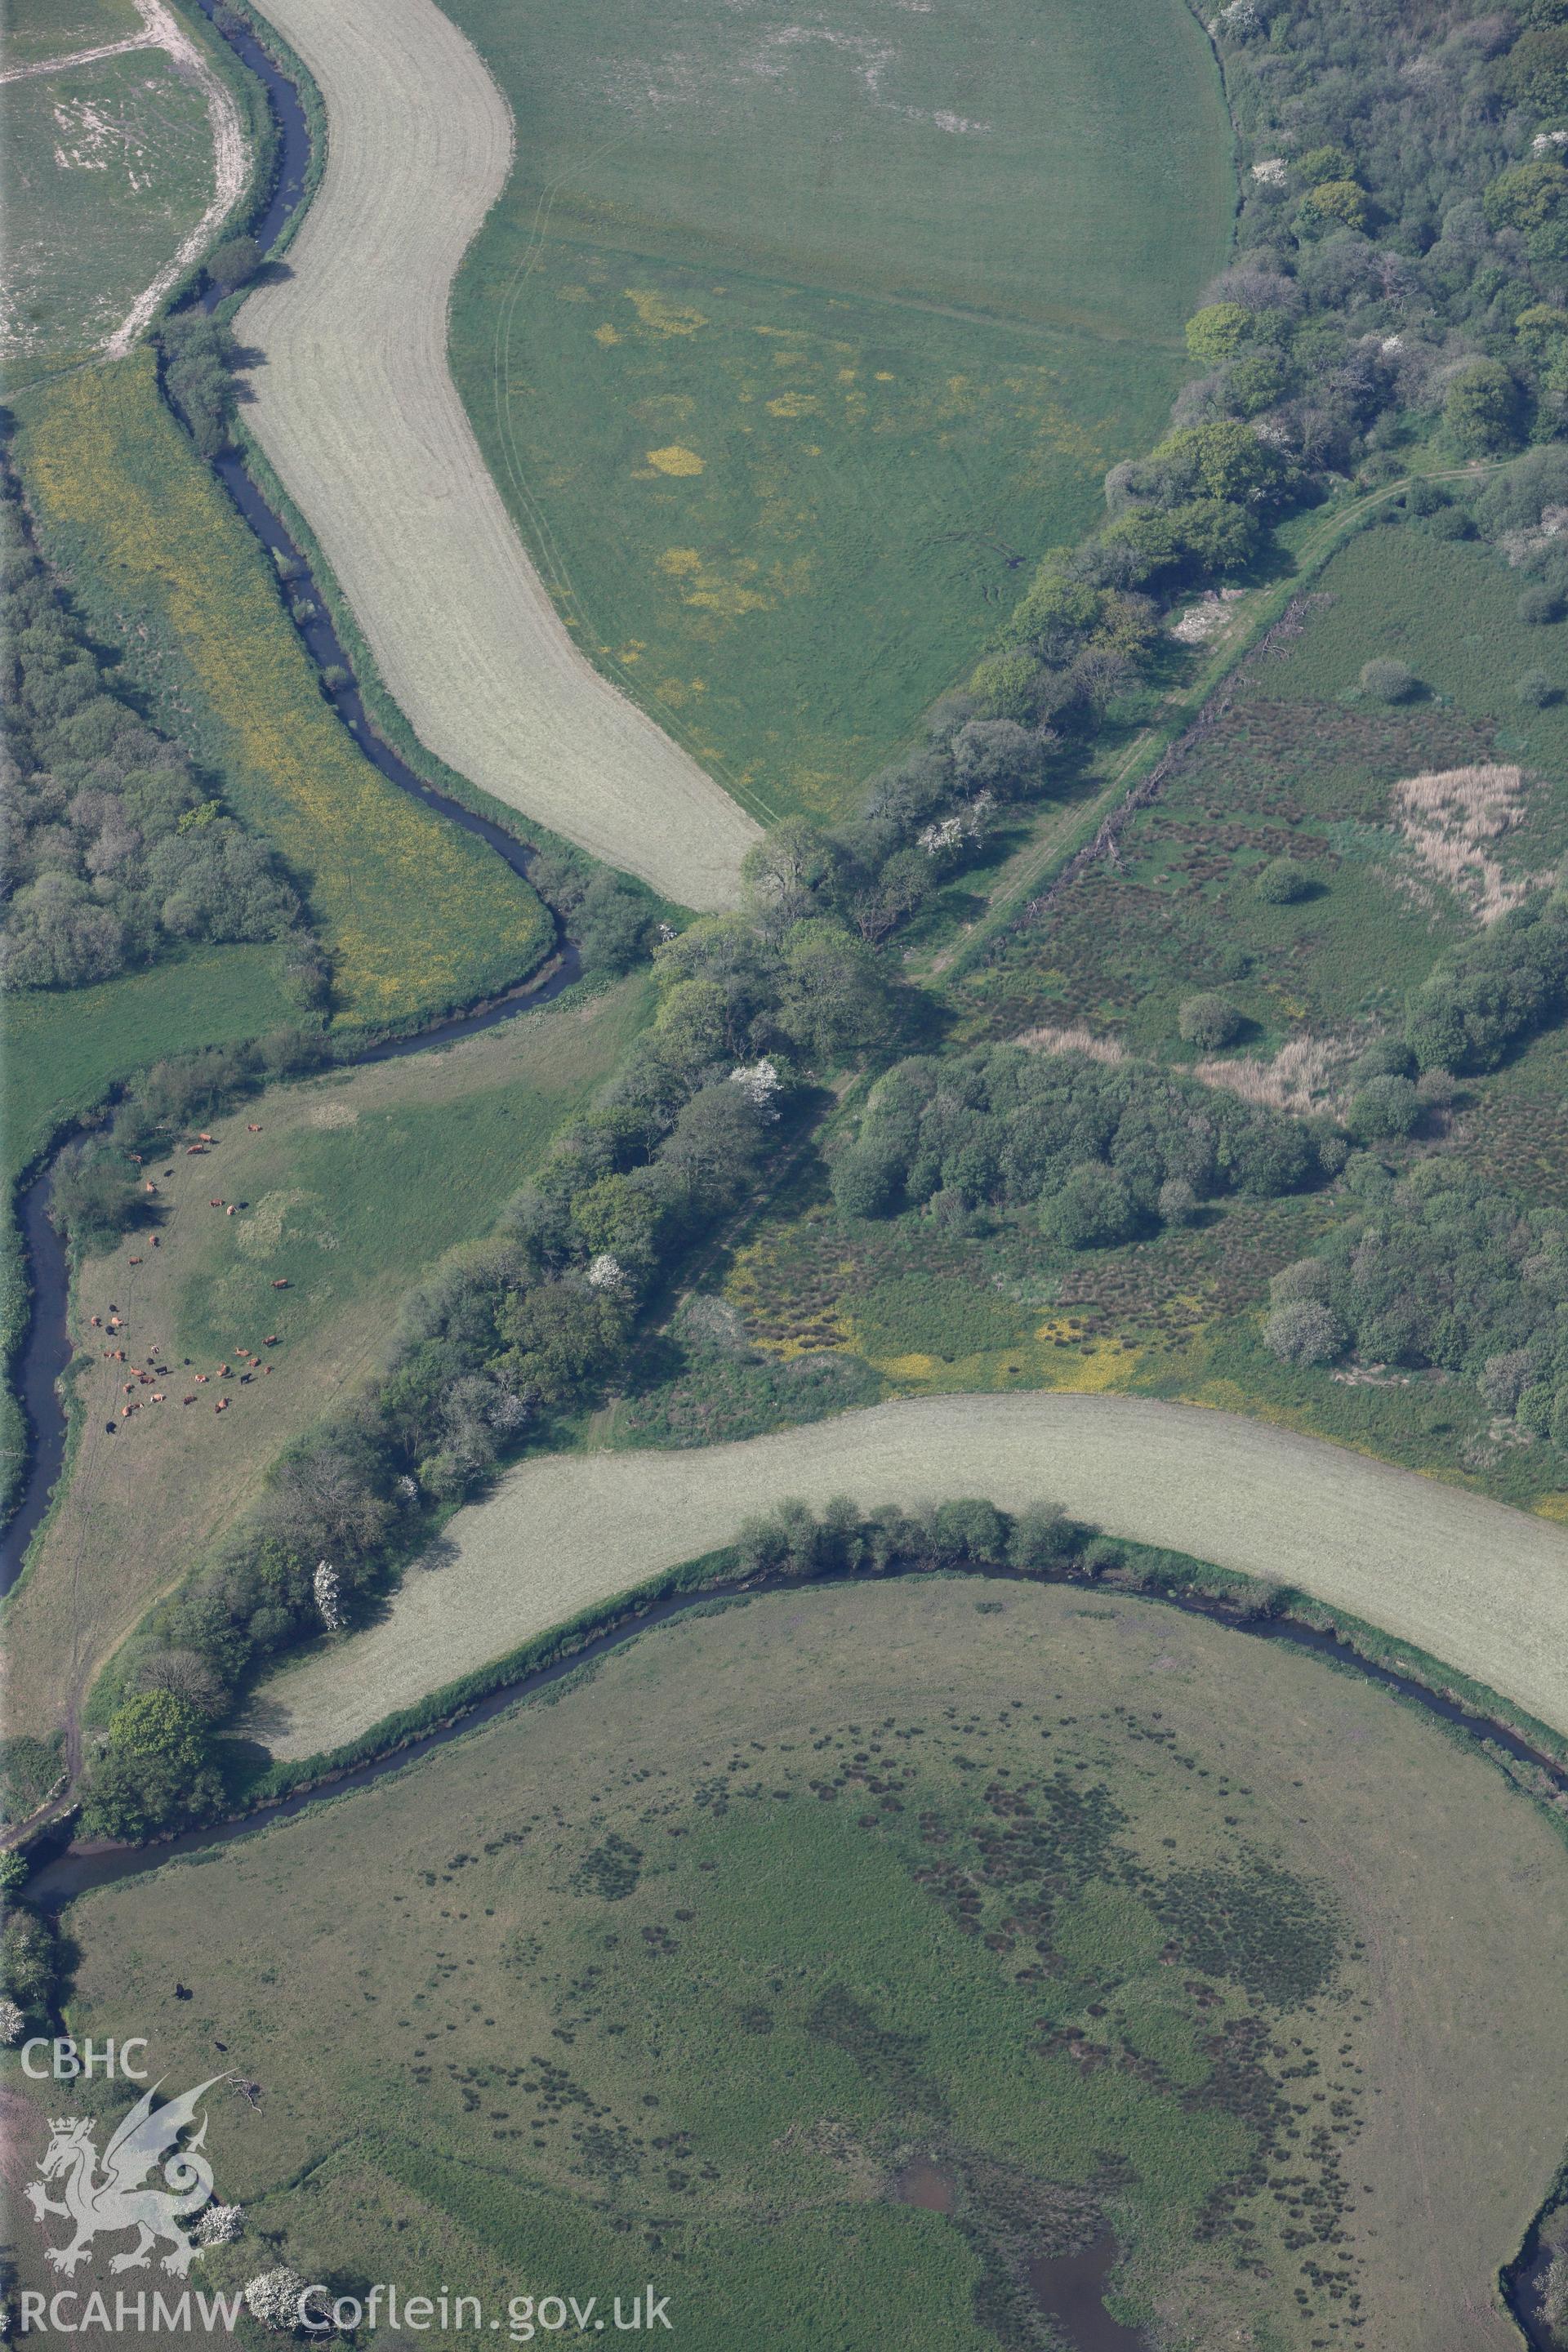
(46, 1350)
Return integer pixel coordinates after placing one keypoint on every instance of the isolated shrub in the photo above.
(1042, 1536)
(1309, 1278)
(1480, 409)
(1094, 1209)
(1424, 497)
(968, 1534)
(1177, 1202)
(156, 1772)
(1385, 1057)
(273, 2298)
(1335, 203)
(1284, 881)
(1535, 689)
(1217, 331)
(1303, 1331)
(1209, 1021)
(93, 1196)
(866, 1181)
(1507, 1376)
(233, 263)
(1540, 605)
(1383, 1107)
(1386, 680)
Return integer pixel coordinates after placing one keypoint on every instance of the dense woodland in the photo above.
(115, 852)
(1099, 1151)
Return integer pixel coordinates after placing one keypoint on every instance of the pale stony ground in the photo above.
(1482, 1587)
(356, 408)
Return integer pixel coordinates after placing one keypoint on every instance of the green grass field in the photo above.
(354, 1183)
(62, 1052)
(788, 345)
(105, 169)
(418, 917)
(676, 1979)
(35, 29)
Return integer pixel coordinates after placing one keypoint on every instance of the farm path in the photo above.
(356, 408)
(1483, 1588)
(231, 156)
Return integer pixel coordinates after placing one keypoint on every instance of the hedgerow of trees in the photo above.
(115, 854)
(1402, 269)
(512, 1332)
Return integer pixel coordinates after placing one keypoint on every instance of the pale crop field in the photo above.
(356, 408)
(1481, 1587)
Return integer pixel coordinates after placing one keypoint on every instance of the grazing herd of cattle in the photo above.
(146, 1375)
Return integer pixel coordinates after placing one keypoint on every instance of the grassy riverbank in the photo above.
(418, 917)
(352, 1185)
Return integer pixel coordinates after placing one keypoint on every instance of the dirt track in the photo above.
(356, 406)
(1484, 1587)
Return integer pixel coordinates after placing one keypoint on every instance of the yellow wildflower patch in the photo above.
(794, 404)
(662, 317)
(605, 335)
(1552, 1507)
(675, 460)
(418, 916)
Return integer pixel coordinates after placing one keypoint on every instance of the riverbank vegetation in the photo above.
(1082, 1974)
(114, 852)
(345, 1186)
(508, 1339)
(414, 917)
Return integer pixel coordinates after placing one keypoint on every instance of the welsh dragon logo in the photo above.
(104, 2202)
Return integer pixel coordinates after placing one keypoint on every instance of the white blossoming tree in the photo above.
(274, 2298)
(220, 2225)
(11, 2022)
(761, 1084)
(327, 1587)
